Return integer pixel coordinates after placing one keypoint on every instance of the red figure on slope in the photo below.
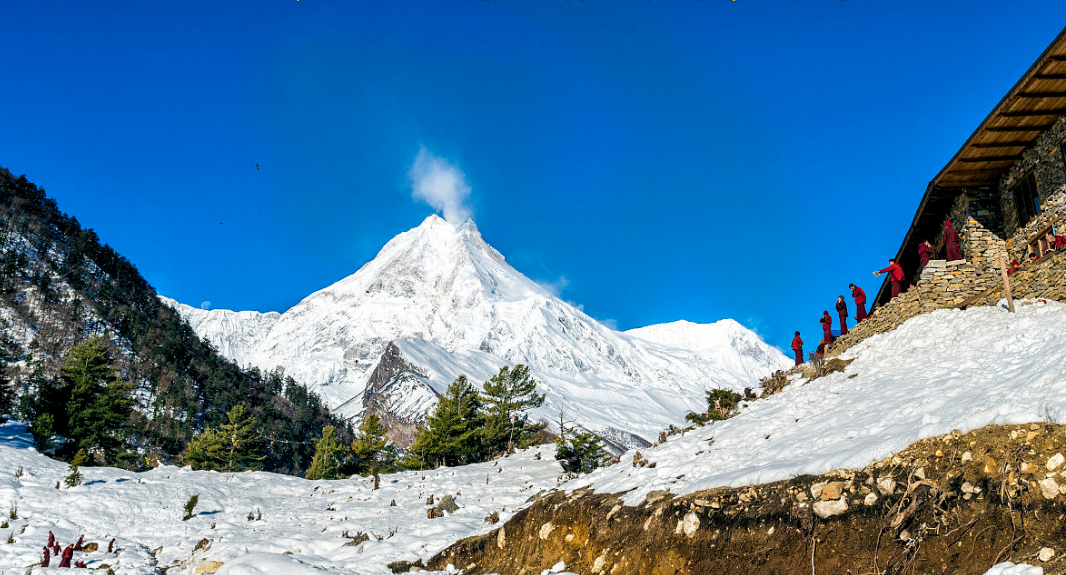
(860, 302)
(68, 554)
(77, 546)
(925, 249)
(51, 539)
(827, 327)
(895, 275)
(842, 313)
(111, 546)
(951, 242)
(47, 558)
(797, 347)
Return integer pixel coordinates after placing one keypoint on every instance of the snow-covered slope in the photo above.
(936, 373)
(302, 526)
(454, 306)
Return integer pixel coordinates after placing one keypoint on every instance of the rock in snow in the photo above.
(452, 306)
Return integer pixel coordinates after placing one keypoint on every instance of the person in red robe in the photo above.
(797, 348)
(827, 326)
(951, 242)
(81, 565)
(1060, 242)
(860, 302)
(111, 545)
(47, 558)
(77, 546)
(56, 549)
(68, 554)
(895, 275)
(51, 539)
(820, 351)
(842, 313)
(925, 249)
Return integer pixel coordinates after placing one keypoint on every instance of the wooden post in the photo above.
(1006, 284)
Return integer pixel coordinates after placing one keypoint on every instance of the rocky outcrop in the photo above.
(957, 503)
(398, 395)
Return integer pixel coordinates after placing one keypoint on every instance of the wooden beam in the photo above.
(1039, 128)
(1050, 77)
(1033, 113)
(1010, 144)
(984, 171)
(1041, 94)
(992, 159)
(1057, 58)
(966, 184)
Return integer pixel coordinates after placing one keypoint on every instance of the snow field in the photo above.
(302, 521)
(938, 372)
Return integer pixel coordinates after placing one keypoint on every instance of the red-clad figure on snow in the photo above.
(951, 242)
(925, 249)
(47, 558)
(77, 546)
(827, 327)
(842, 313)
(81, 565)
(797, 347)
(111, 546)
(860, 302)
(51, 539)
(895, 275)
(68, 554)
(56, 549)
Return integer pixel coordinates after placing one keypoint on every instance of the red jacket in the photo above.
(924, 252)
(842, 309)
(827, 322)
(858, 294)
(797, 343)
(895, 270)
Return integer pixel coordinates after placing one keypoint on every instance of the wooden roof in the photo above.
(1032, 106)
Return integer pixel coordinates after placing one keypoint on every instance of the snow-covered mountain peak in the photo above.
(453, 306)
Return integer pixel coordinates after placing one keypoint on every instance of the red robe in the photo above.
(860, 303)
(1060, 242)
(842, 312)
(77, 546)
(923, 255)
(797, 347)
(895, 276)
(820, 352)
(111, 545)
(51, 539)
(47, 558)
(827, 327)
(68, 554)
(951, 243)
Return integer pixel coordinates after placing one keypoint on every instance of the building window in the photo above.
(1026, 199)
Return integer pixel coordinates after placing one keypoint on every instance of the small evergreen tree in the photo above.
(96, 402)
(330, 456)
(451, 436)
(721, 404)
(189, 506)
(74, 479)
(507, 398)
(43, 429)
(233, 446)
(371, 451)
(578, 452)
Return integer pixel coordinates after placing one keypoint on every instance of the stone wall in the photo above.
(977, 216)
(1045, 160)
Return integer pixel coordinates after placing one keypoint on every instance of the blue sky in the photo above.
(656, 160)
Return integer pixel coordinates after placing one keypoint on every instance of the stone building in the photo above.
(1003, 190)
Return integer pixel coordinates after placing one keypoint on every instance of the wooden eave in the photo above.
(1031, 107)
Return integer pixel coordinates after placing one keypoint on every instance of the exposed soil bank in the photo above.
(953, 504)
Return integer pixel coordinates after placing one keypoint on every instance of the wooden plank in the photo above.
(1012, 158)
(1037, 128)
(1033, 113)
(1041, 94)
(1050, 77)
(1008, 144)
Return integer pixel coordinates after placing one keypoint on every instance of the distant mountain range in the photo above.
(438, 302)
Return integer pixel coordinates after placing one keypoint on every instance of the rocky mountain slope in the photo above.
(445, 303)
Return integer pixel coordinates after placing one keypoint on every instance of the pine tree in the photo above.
(371, 450)
(507, 398)
(97, 403)
(233, 446)
(578, 452)
(74, 479)
(330, 456)
(451, 436)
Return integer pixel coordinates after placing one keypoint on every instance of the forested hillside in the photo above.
(61, 285)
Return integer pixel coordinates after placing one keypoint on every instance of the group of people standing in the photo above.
(925, 251)
(827, 322)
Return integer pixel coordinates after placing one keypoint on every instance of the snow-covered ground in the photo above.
(937, 372)
(302, 521)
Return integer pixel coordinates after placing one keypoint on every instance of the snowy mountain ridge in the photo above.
(453, 305)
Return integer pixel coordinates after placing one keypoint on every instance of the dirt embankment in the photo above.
(952, 504)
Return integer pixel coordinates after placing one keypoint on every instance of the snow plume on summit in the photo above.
(440, 184)
(438, 302)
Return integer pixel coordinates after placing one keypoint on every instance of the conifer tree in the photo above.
(74, 479)
(371, 450)
(94, 402)
(507, 398)
(232, 446)
(330, 456)
(451, 436)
